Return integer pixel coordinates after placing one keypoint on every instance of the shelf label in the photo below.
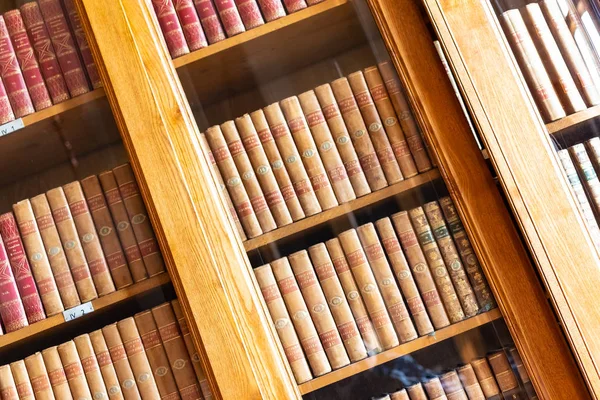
(11, 126)
(79, 311)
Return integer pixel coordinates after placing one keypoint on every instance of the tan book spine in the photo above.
(358, 134)
(262, 169)
(352, 293)
(269, 147)
(107, 368)
(470, 383)
(486, 379)
(523, 374)
(40, 266)
(56, 374)
(308, 151)
(587, 174)
(387, 284)
(90, 366)
(434, 389)
(363, 275)
(416, 392)
(404, 276)
(452, 386)
(157, 357)
(399, 395)
(8, 388)
(377, 132)
(74, 371)
(67, 287)
(120, 363)
(407, 120)
(140, 222)
(124, 229)
(421, 273)
(38, 376)
(22, 382)
(436, 265)
(389, 118)
(71, 244)
(326, 147)
(309, 338)
(107, 233)
(506, 378)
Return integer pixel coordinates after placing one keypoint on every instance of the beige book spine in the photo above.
(367, 283)
(387, 284)
(391, 125)
(36, 254)
(326, 147)
(8, 388)
(407, 120)
(358, 134)
(262, 169)
(507, 381)
(71, 244)
(452, 386)
(74, 371)
(90, 366)
(352, 294)
(421, 273)
(307, 333)
(405, 279)
(416, 392)
(22, 382)
(587, 174)
(105, 363)
(269, 147)
(486, 379)
(470, 383)
(121, 365)
(583, 42)
(56, 374)
(434, 389)
(399, 395)
(38, 376)
(249, 179)
(308, 152)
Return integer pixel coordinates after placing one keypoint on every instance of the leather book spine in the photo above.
(416, 392)
(107, 368)
(118, 355)
(352, 294)
(365, 280)
(90, 366)
(271, 9)
(486, 379)
(399, 395)
(283, 324)
(115, 257)
(307, 333)
(140, 222)
(587, 174)
(294, 5)
(12, 310)
(8, 387)
(22, 382)
(323, 139)
(452, 386)
(434, 389)
(26, 59)
(170, 27)
(6, 112)
(405, 279)
(421, 273)
(313, 2)
(276, 164)
(293, 164)
(29, 292)
(38, 376)
(436, 265)
(40, 266)
(358, 134)
(74, 371)
(263, 171)
(210, 21)
(308, 151)
(56, 374)
(506, 378)
(250, 13)
(470, 383)
(525, 379)
(66, 53)
(335, 298)
(190, 23)
(342, 140)
(405, 115)
(133, 255)
(232, 21)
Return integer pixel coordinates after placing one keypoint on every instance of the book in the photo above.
(8, 387)
(250, 13)
(12, 311)
(523, 374)
(91, 368)
(271, 9)
(230, 17)
(452, 386)
(22, 382)
(506, 378)
(56, 374)
(171, 28)
(469, 381)
(486, 379)
(210, 21)
(6, 112)
(74, 370)
(294, 5)
(107, 368)
(587, 174)
(416, 392)
(190, 23)
(434, 389)
(118, 355)
(38, 376)
(582, 41)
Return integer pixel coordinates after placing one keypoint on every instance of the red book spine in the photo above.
(190, 22)
(44, 51)
(6, 112)
(272, 9)
(210, 21)
(61, 37)
(171, 29)
(294, 5)
(250, 13)
(313, 2)
(29, 65)
(232, 21)
(11, 308)
(22, 271)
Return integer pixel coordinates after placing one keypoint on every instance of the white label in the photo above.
(78, 311)
(11, 126)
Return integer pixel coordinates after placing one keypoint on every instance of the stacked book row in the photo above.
(73, 244)
(310, 153)
(44, 57)
(559, 63)
(149, 356)
(373, 287)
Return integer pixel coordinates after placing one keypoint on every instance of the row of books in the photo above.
(41, 64)
(347, 298)
(148, 356)
(309, 153)
(189, 25)
(558, 62)
(72, 244)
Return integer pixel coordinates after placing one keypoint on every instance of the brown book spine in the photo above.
(74, 371)
(105, 362)
(120, 363)
(506, 378)
(115, 257)
(418, 265)
(22, 382)
(452, 386)
(303, 324)
(399, 395)
(124, 229)
(90, 366)
(470, 383)
(486, 379)
(56, 374)
(140, 221)
(38, 376)
(434, 389)
(529, 389)
(416, 392)
(8, 387)
(71, 244)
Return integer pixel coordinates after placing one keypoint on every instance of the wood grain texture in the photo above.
(573, 119)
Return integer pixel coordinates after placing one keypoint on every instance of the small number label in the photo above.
(12, 126)
(79, 311)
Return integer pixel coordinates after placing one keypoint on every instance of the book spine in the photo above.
(507, 381)
(587, 174)
(399, 395)
(313, 2)
(140, 222)
(115, 257)
(232, 21)
(74, 371)
(272, 9)
(56, 373)
(8, 387)
(294, 5)
(107, 368)
(323, 139)
(485, 378)
(190, 23)
(277, 165)
(470, 383)
(91, 369)
(22, 382)
(250, 13)
(171, 28)
(29, 65)
(44, 50)
(421, 273)
(416, 392)
(434, 389)
(527, 385)
(38, 376)
(452, 386)
(210, 21)
(405, 279)
(307, 333)
(118, 355)
(6, 112)
(12, 311)
(583, 44)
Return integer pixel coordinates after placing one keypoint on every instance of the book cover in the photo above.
(467, 377)
(22, 382)
(171, 28)
(74, 371)
(452, 386)
(506, 378)
(210, 21)
(8, 387)
(107, 369)
(434, 389)
(91, 368)
(118, 355)
(38, 376)
(56, 374)
(190, 23)
(486, 379)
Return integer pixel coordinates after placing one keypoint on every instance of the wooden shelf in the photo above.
(341, 210)
(573, 119)
(399, 351)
